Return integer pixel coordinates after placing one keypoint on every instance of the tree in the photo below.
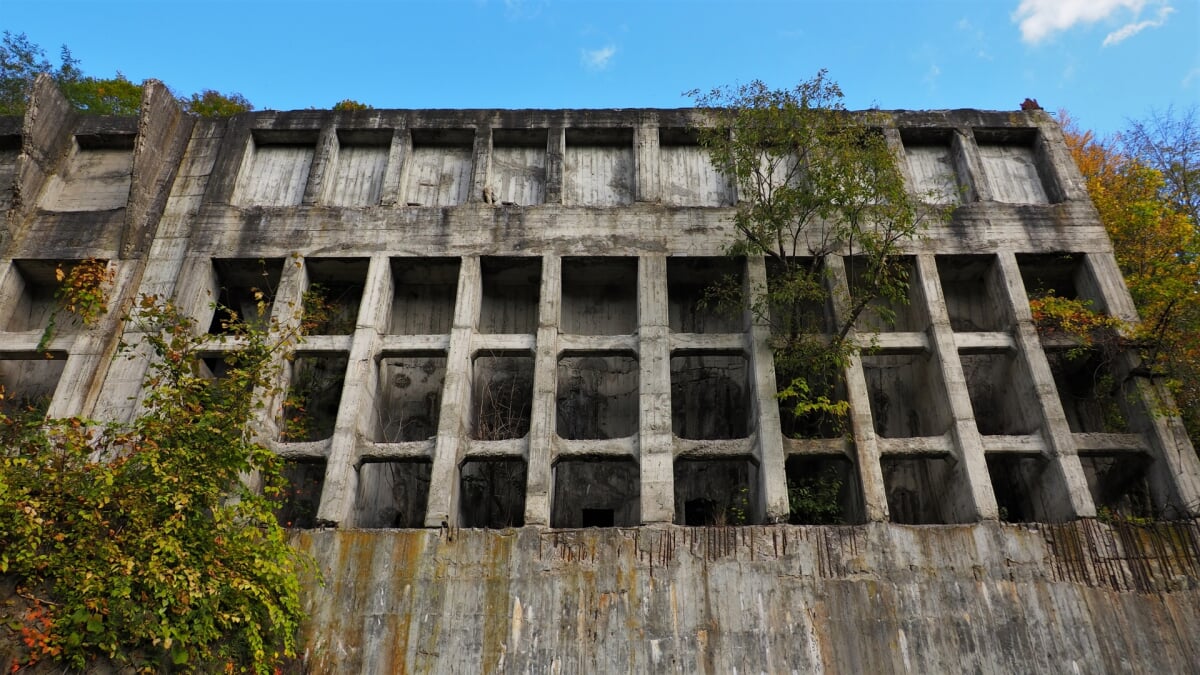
(1157, 247)
(1170, 144)
(350, 104)
(814, 181)
(210, 103)
(143, 543)
(20, 62)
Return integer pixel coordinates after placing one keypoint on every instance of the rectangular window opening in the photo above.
(302, 494)
(356, 177)
(599, 296)
(799, 297)
(502, 396)
(710, 396)
(335, 288)
(931, 163)
(424, 295)
(1013, 165)
(29, 294)
(917, 488)
(243, 292)
(409, 398)
(314, 395)
(1119, 485)
(511, 288)
(1018, 482)
(906, 313)
(1002, 394)
(706, 295)
(716, 492)
(812, 420)
(440, 164)
(973, 293)
(907, 399)
(95, 176)
(598, 167)
(492, 493)
(596, 493)
(392, 494)
(823, 491)
(687, 173)
(597, 396)
(1088, 390)
(29, 383)
(519, 166)
(275, 169)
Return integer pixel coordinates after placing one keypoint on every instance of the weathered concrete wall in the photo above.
(1082, 597)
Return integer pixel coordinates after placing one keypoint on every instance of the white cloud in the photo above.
(1131, 29)
(1039, 19)
(1187, 80)
(597, 59)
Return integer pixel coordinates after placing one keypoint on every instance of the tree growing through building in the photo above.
(816, 183)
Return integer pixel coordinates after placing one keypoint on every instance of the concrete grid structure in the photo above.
(521, 339)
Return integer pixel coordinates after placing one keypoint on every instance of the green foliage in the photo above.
(20, 62)
(103, 96)
(82, 293)
(1075, 319)
(815, 499)
(210, 103)
(815, 181)
(350, 104)
(142, 542)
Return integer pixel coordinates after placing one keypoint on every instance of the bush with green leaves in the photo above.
(145, 543)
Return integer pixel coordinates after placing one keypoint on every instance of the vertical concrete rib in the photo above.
(455, 415)
(556, 149)
(545, 385)
(481, 163)
(768, 434)
(862, 426)
(646, 160)
(1073, 500)
(969, 166)
(324, 157)
(655, 441)
(975, 498)
(358, 396)
(393, 178)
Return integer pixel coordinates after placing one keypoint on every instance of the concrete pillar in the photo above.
(539, 472)
(975, 498)
(969, 166)
(556, 150)
(481, 163)
(1073, 500)
(324, 158)
(768, 436)
(451, 442)
(393, 177)
(646, 161)
(655, 441)
(862, 426)
(358, 396)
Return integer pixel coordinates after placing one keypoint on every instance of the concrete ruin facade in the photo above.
(519, 350)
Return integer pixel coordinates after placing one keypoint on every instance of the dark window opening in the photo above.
(492, 493)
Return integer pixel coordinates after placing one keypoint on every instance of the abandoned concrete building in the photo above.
(531, 448)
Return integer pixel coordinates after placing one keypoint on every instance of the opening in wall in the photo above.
(243, 292)
(907, 399)
(335, 288)
(511, 288)
(409, 398)
(356, 175)
(597, 396)
(439, 167)
(29, 295)
(709, 396)
(96, 175)
(598, 167)
(1059, 274)
(596, 493)
(823, 491)
(716, 492)
(1002, 394)
(392, 494)
(812, 421)
(1088, 390)
(599, 296)
(1018, 482)
(799, 297)
(503, 396)
(971, 288)
(492, 493)
(932, 165)
(275, 168)
(705, 295)
(917, 487)
(518, 175)
(302, 495)
(1119, 485)
(1014, 165)
(29, 382)
(881, 315)
(313, 396)
(425, 290)
(687, 173)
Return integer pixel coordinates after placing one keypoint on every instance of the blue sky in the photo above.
(1103, 60)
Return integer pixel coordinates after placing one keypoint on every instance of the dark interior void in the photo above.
(392, 494)
(710, 397)
(492, 493)
(596, 493)
(716, 492)
(823, 491)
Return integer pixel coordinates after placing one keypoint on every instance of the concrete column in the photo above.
(974, 498)
(324, 157)
(450, 443)
(393, 177)
(862, 425)
(539, 473)
(768, 436)
(358, 397)
(556, 150)
(646, 161)
(656, 444)
(1072, 500)
(481, 163)
(969, 166)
